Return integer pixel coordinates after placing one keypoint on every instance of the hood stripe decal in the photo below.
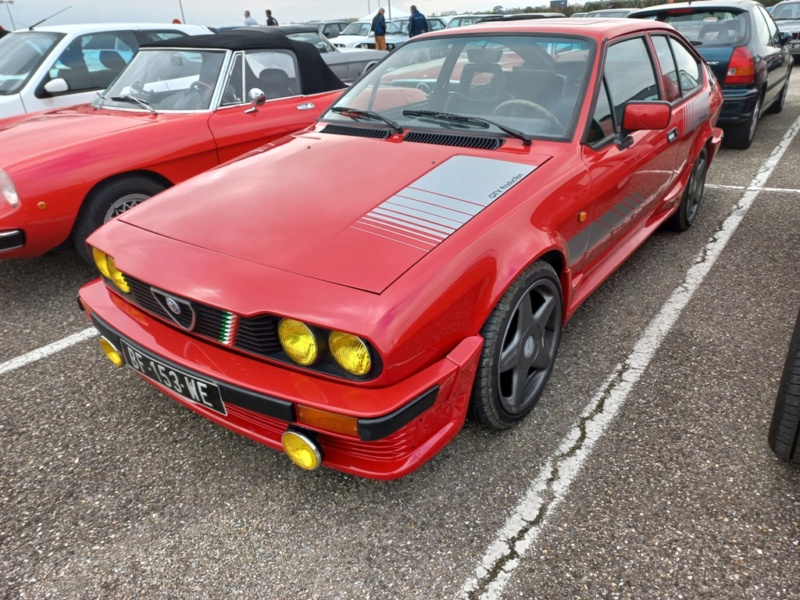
(439, 203)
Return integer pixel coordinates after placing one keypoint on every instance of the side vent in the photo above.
(369, 132)
(465, 141)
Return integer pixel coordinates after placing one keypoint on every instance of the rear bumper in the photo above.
(738, 105)
(401, 427)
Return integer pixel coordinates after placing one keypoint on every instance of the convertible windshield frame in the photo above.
(18, 57)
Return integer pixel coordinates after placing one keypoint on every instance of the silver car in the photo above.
(787, 18)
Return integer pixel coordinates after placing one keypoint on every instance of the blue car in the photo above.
(746, 51)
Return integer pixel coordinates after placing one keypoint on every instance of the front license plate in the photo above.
(198, 391)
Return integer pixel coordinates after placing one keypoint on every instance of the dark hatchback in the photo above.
(745, 49)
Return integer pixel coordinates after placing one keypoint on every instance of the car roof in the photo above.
(595, 28)
(96, 27)
(701, 6)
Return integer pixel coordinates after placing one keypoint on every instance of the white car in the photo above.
(358, 32)
(397, 32)
(61, 65)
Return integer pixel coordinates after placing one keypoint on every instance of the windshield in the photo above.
(710, 28)
(166, 80)
(314, 39)
(21, 53)
(398, 27)
(786, 10)
(357, 28)
(529, 83)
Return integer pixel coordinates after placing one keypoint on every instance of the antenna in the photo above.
(48, 18)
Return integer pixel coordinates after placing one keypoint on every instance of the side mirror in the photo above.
(56, 86)
(646, 115)
(785, 38)
(257, 98)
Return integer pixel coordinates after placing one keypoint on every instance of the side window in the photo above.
(774, 34)
(762, 31)
(436, 24)
(273, 72)
(629, 75)
(669, 73)
(234, 87)
(159, 35)
(602, 120)
(688, 68)
(92, 61)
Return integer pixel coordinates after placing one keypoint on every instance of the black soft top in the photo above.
(315, 75)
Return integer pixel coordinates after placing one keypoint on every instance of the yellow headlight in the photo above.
(106, 266)
(298, 341)
(350, 352)
(100, 259)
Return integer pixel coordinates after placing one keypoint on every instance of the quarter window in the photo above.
(688, 68)
(669, 72)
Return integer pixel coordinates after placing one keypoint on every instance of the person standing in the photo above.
(379, 27)
(417, 23)
(271, 21)
(248, 20)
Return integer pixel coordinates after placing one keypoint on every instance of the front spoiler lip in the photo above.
(284, 410)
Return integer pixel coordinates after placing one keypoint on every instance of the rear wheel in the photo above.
(107, 201)
(741, 136)
(777, 106)
(784, 431)
(692, 195)
(521, 342)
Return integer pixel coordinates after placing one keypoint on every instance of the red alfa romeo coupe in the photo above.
(180, 107)
(352, 294)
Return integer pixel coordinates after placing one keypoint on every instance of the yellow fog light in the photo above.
(350, 352)
(298, 341)
(112, 353)
(301, 449)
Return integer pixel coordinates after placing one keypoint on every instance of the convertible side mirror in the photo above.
(257, 98)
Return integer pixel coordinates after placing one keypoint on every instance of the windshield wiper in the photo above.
(463, 120)
(134, 100)
(355, 113)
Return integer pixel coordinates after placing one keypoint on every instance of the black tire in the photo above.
(784, 431)
(108, 200)
(692, 195)
(777, 106)
(521, 336)
(741, 136)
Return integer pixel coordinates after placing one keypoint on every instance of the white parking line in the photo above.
(548, 490)
(713, 186)
(45, 351)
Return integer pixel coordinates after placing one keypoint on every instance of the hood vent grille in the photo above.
(369, 132)
(465, 141)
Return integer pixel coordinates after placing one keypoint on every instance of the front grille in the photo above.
(370, 132)
(258, 335)
(465, 141)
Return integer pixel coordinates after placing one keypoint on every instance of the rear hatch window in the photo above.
(719, 27)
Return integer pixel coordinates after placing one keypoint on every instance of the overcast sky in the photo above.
(217, 12)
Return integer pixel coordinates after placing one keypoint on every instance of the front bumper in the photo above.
(400, 427)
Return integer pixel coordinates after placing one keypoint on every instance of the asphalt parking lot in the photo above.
(644, 472)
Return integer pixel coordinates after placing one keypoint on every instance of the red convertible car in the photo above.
(180, 107)
(505, 171)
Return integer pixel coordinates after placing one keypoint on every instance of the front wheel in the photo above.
(521, 338)
(107, 201)
(784, 431)
(777, 106)
(692, 195)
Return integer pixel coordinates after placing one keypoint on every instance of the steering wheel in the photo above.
(201, 86)
(526, 109)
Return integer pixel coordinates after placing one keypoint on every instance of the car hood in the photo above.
(23, 139)
(304, 208)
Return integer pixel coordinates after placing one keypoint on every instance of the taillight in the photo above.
(741, 68)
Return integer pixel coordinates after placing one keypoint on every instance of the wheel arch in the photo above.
(152, 175)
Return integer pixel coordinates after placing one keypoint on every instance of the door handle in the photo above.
(672, 135)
